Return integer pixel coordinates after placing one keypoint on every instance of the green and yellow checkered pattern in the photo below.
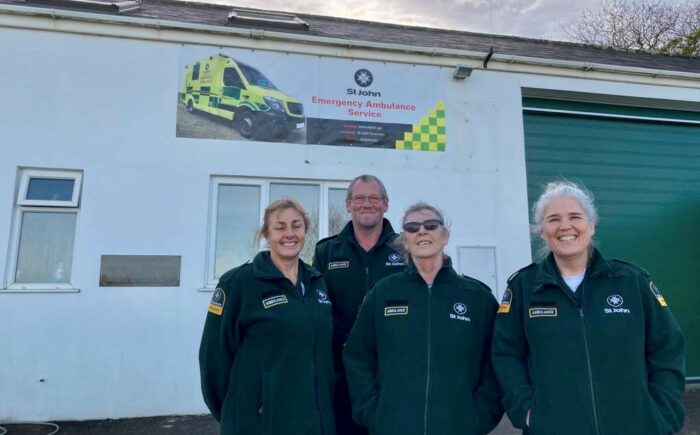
(429, 135)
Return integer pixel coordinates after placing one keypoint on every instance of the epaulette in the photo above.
(510, 278)
(325, 239)
(487, 288)
(632, 265)
(231, 272)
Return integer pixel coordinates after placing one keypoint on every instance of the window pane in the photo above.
(337, 214)
(308, 196)
(45, 248)
(237, 220)
(50, 189)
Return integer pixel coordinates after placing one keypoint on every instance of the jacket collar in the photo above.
(387, 235)
(445, 273)
(264, 268)
(548, 272)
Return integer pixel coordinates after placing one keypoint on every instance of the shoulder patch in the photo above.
(657, 294)
(510, 278)
(632, 265)
(507, 298)
(218, 299)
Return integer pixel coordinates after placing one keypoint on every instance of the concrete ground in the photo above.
(206, 425)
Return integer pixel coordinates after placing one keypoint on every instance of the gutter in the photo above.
(158, 30)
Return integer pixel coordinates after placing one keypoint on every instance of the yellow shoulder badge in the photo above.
(216, 306)
(505, 302)
(657, 294)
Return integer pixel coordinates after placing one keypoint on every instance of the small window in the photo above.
(49, 188)
(44, 229)
(237, 212)
(195, 71)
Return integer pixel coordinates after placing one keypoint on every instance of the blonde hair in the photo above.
(279, 205)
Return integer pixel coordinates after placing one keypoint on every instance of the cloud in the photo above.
(528, 18)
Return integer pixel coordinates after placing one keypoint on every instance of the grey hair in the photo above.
(561, 189)
(366, 178)
(398, 243)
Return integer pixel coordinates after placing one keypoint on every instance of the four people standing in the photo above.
(582, 344)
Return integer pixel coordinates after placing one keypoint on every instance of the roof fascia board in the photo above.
(178, 32)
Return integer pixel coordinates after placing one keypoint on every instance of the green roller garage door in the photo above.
(643, 166)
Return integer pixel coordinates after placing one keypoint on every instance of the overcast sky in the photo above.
(528, 18)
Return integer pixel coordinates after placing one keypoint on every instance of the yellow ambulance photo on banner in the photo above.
(247, 102)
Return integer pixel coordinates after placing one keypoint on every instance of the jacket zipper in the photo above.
(427, 378)
(366, 279)
(588, 364)
(314, 356)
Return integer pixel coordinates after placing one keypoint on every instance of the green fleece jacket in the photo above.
(350, 271)
(265, 358)
(418, 360)
(609, 361)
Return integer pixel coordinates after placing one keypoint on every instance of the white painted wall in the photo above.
(107, 106)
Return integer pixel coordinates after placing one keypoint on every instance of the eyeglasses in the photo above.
(360, 199)
(429, 225)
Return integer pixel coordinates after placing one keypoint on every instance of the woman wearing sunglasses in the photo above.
(418, 357)
(265, 358)
(585, 345)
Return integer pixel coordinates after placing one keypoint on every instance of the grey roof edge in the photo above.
(494, 37)
(254, 33)
(8, 7)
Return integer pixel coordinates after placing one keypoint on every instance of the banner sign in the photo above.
(240, 94)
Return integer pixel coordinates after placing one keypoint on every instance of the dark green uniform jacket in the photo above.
(265, 347)
(418, 359)
(350, 272)
(608, 360)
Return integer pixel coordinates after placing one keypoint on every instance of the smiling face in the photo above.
(366, 205)
(566, 229)
(425, 243)
(286, 233)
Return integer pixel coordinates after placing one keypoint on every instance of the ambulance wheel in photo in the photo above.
(190, 106)
(247, 123)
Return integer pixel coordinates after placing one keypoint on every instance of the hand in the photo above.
(260, 411)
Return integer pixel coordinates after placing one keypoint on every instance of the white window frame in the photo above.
(29, 174)
(210, 280)
(22, 206)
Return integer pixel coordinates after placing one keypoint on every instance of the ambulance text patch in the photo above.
(396, 311)
(543, 312)
(274, 300)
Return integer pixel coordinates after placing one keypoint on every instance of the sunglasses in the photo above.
(429, 225)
